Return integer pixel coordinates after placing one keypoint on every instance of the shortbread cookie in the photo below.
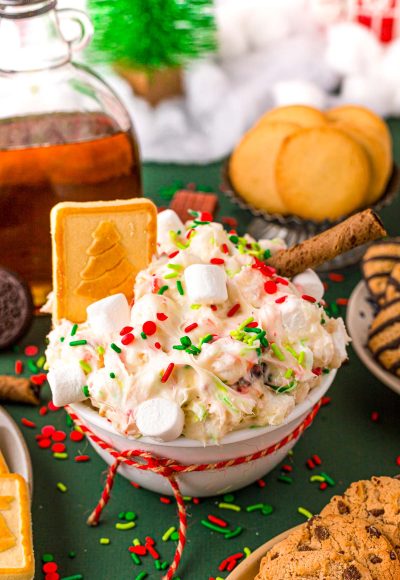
(393, 285)
(98, 248)
(376, 500)
(377, 265)
(16, 548)
(252, 165)
(301, 115)
(322, 173)
(332, 547)
(384, 337)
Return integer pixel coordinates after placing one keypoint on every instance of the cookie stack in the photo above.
(298, 160)
(381, 271)
(357, 536)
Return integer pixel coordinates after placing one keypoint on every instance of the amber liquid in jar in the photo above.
(52, 158)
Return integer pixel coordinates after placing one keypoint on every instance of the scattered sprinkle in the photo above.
(126, 526)
(167, 372)
(277, 351)
(27, 423)
(163, 289)
(229, 506)
(334, 277)
(308, 298)
(127, 339)
(304, 512)
(180, 288)
(62, 487)
(82, 458)
(31, 350)
(115, 347)
(78, 342)
(233, 310)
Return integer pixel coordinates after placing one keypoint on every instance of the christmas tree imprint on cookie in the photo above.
(7, 538)
(107, 270)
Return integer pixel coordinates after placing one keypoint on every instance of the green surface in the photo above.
(350, 444)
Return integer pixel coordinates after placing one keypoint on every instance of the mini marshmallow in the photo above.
(167, 220)
(160, 419)
(206, 284)
(66, 381)
(109, 315)
(309, 283)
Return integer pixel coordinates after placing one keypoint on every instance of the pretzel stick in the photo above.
(18, 390)
(357, 230)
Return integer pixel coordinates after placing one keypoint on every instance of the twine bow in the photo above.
(170, 469)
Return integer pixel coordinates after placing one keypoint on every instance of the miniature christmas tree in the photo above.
(153, 37)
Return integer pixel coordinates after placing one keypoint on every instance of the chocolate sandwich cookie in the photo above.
(16, 308)
(393, 285)
(377, 265)
(384, 337)
(332, 547)
(376, 500)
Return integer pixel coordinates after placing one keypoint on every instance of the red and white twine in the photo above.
(170, 469)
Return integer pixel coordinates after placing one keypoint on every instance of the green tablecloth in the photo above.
(350, 444)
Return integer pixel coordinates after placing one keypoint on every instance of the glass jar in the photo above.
(64, 135)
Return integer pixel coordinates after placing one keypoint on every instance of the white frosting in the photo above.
(223, 376)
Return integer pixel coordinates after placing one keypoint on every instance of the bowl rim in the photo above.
(92, 416)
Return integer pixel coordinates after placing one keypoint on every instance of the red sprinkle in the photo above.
(31, 350)
(261, 483)
(281, 300)
(167, 373)
(310, 464)
(375, 416)
(125, 330)
(252, 325)
(191, 327)
(165, 500)
(342, 301)
(325, 401)
(135, 485)
(58, 448)
(225, 249)
(138, 550)
(43, 410)
(82, 458)
(173, 254)
(217, 261)
(233, 310)
(76, 436)
(161, 316)
(213, 307)
(206, 216)
(59, 436)
(317, 459)
(47, 430)
(323, 485)
(398, 460)
(28, 423)
(52, 576)
(217, 521)
(52, 406)
(157, 345)
(308, 298)
(149, 327)
(227, 563)
(38, 379)
(270, 287)
(19, 367)
(283, 281)
(196, 500)
(127, 339)
(44, 443)
(334, 277)
(287, 468)
(229, 221)
(317, 371)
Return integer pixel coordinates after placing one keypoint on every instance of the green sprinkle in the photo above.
(302, 356)
(85, 366)
(74, 329)
(185, 340)
(334, 309)
(326, 371)
(206, 338)
(277, 351)
(141, 576)
(229, 497)
(100, 350)
(195, 306)
(62, 339)
(234, 239)
(163, 289)
(246, 551)
(157, 564)
(75, 577)
(179, 347)
(164, 566)
(328, 479)
(62, 487)
(318, 478)
(168, 534)
(85, 390)
(136, 559)
(143, 335)
(175, 536)
(47, 558)
(40, 361)
(32, 367)
(60, 455)
(136, 542)
(193, 349)
(267, 509)
(115, 347)
(229, 506)
(288, 374)
(285, 479)
(176, 267)
(180, 288)
(305, 512)
(246, 322)
(234, 533)
(249, 329)
(170, 276)
(130, 516)
(127, 526)
(71, 554)
(78, 342)
(200, 223)
(213, 527)
(266, 254)
(104, 541)
(291, 351)
(112, 375)
(254, 507)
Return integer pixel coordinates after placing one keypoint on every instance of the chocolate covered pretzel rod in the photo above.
(357, 230)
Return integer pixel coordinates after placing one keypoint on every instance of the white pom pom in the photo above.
(167, 220)
(160, 419)
(298, 92)
(206, 284)
(309, 283)
(352, 49)
(66, 381)
(108, 315)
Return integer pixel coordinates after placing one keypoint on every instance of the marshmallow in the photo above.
(167, 220)
(108, 315)
(160, 419)
(66, 381)
(309, 283)
(206, 284)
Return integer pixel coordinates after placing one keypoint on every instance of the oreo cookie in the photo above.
(16, 308)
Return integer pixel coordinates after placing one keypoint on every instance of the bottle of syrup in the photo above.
(64, 135)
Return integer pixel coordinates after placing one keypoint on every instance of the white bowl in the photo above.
(190, 451)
